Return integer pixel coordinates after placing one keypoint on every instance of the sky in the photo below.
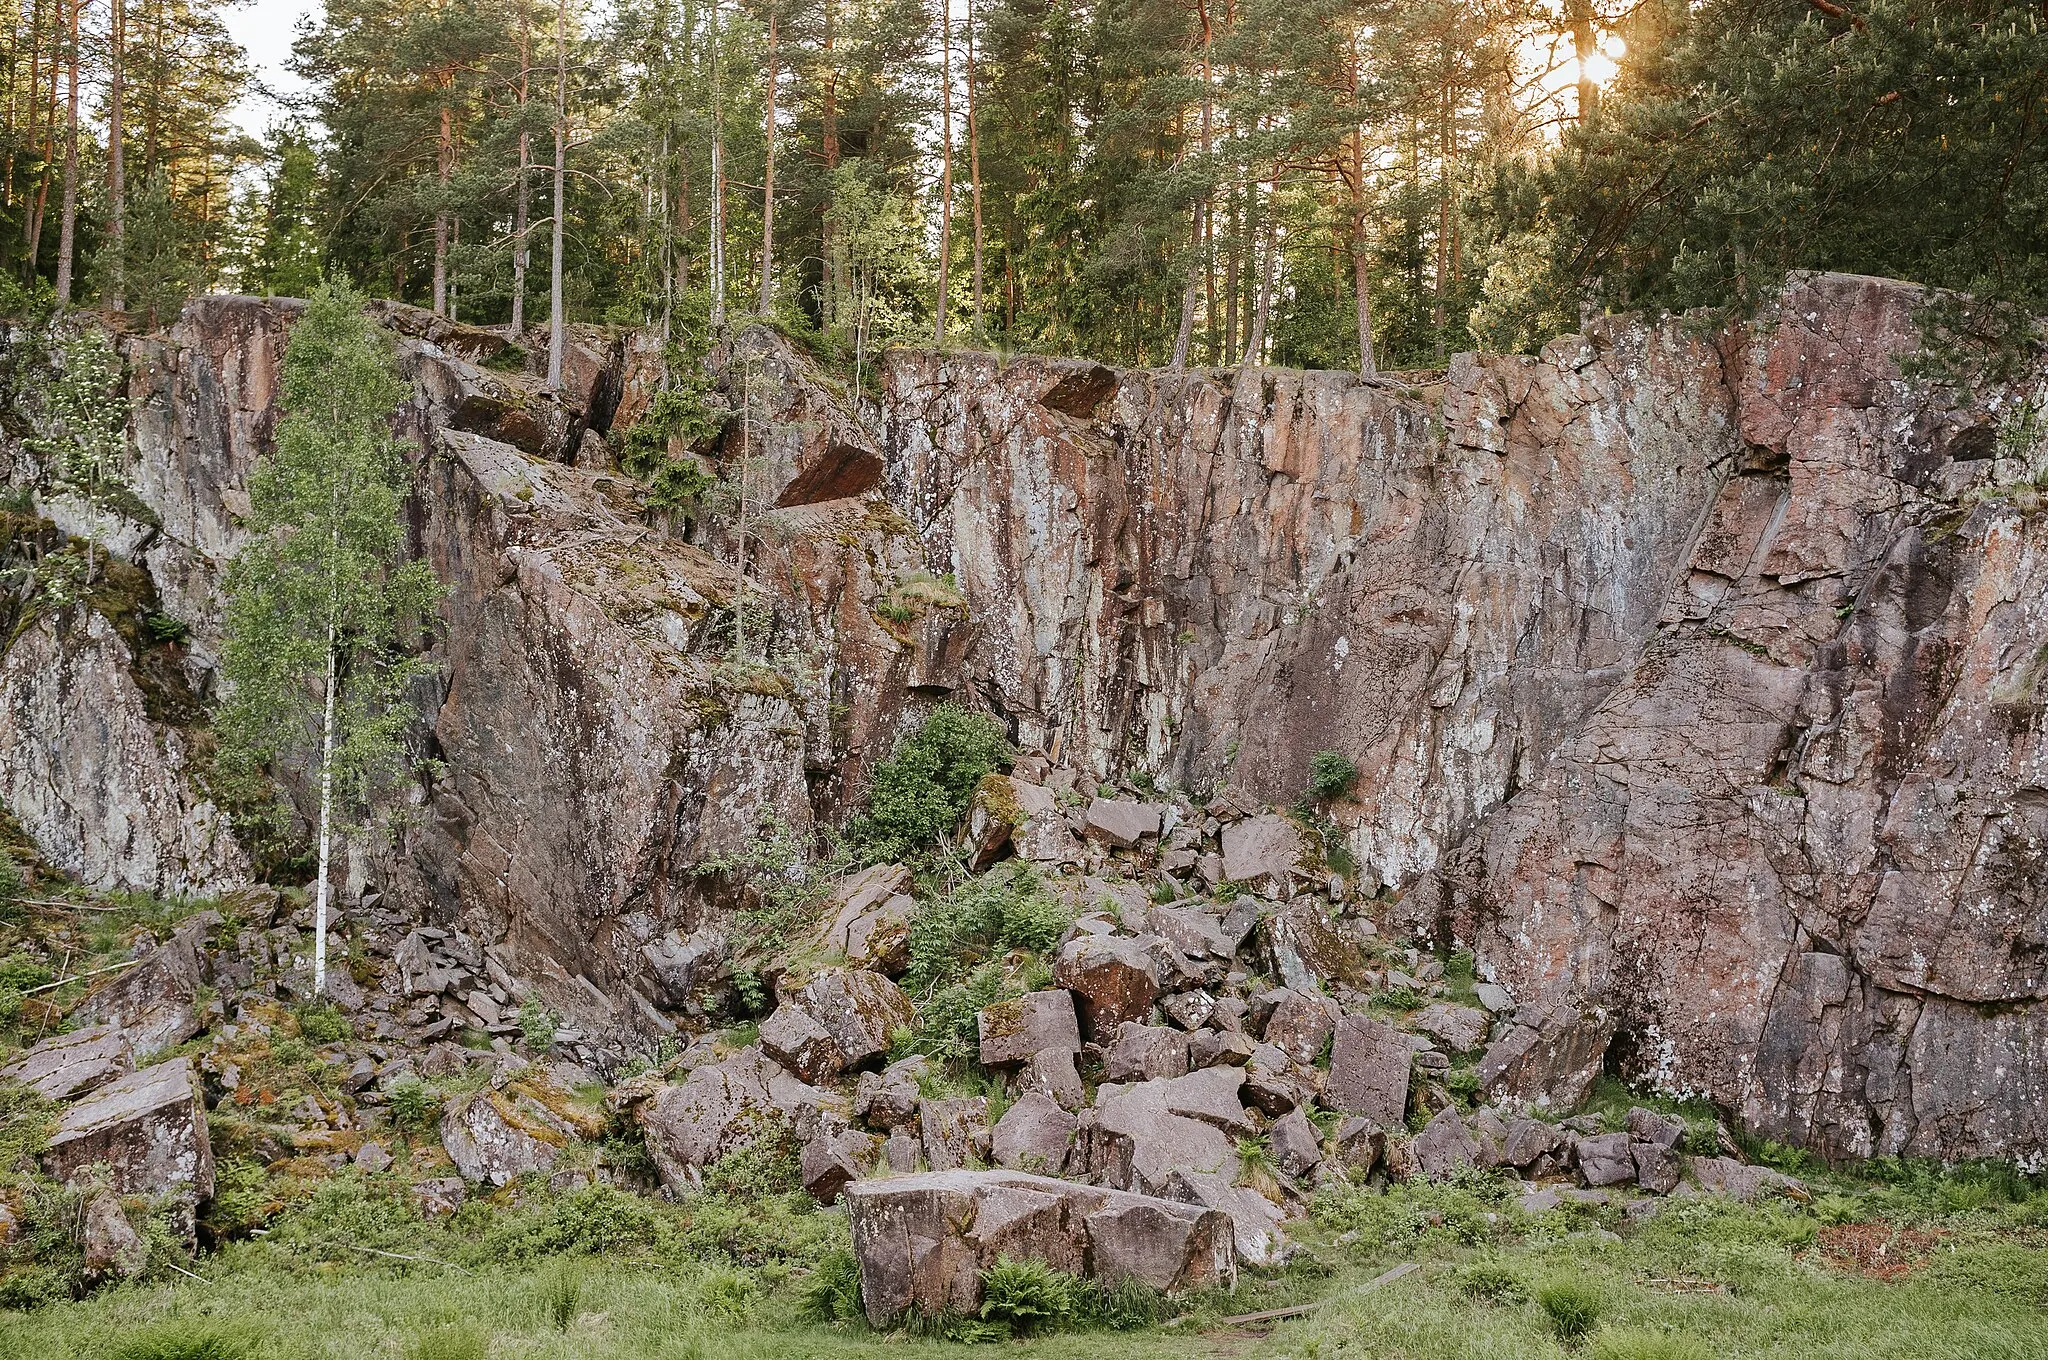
(264, 28)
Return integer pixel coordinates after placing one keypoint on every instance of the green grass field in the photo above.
(1928, 1268)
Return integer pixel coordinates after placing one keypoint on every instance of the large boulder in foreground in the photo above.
(148, 1128)
(924, 1240)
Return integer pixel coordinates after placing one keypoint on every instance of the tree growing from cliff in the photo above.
(321, 602)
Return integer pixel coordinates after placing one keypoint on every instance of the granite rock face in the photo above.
(148, 1129)
(1698, 678)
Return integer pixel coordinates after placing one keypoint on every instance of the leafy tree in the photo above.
(88, 409)
(321, 601)
(922, 790)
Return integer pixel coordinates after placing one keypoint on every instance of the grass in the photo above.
(593, 1274)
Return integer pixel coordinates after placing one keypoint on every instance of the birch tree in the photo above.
(321, 600)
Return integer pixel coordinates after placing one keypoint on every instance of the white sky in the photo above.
(264, 28)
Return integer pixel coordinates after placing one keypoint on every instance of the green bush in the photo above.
(832, 1294)
(682, 412)
(984, 918)
(323, 1024)
(1572, 1307)
(1330, 775)
(919, 794)
(187, 1339)
(412, 1105)
(1491, 1282)
(1126, 1306)
(1028, 1296)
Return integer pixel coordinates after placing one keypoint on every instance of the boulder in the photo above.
(1444, 1145)
(867, 918)
(1034, 1134)
(839, 1018)
(439, 1197)
(1053, 1073)
(69, 1065)
(149, 1128)
(1490, 1132)
(1118, 822)
(681, 966)
(720, 1108)
(1114, 979)
(500, 1134)
(1011, 1032)
(1650, 1126)
(888, 1099)
(1298, 1023)
(154, 1004)
(1657, 1169)
(1145, 1053)
(1361, 1144)
(1207, 1048)
(1529, 1139)
(1296, 1146)
(1604, 1159)
(113, 1249)
(1460, 1029)
(1494, 998)
(954, 1130)
(1551, 1062)
(1189, 1010)
(1263, 851)
(1369, 1065)
(923, 1240)
(1194, 932)
(1726, 1176)
(1142, 1135)
(834, 1156)
(1047, 839)
(1310, 952)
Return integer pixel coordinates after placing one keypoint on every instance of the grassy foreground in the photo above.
(1931, 1268)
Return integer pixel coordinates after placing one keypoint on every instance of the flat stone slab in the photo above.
(72, 1064)
(149, 1128)
(923, 1240)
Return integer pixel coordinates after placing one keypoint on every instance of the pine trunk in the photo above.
(556, 334)
(444, 159)
(767, 303)
(945, 165)
(117, 182)
(519, 251)
(974, 168)
(67, 224)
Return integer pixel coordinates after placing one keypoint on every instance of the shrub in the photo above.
(412, 1105)
(1027, 1296)
(832, 1294)
(982, 919)
(682, 412)
(187, 1339)
(920, 793)
(1491, 1282)
(1126, 1306)
(558, 1291)
(1573, 1308)
(537, 1025)
(1330, 775)
(323, 1024)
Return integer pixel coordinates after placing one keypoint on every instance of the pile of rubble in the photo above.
(1225, 1028)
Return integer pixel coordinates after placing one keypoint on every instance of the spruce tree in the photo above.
(321, 601)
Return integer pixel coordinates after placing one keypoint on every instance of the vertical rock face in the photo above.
(102, 788)
(1696, 682)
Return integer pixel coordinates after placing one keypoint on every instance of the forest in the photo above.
(1309, 183)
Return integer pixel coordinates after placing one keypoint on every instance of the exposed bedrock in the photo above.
(1696, 676)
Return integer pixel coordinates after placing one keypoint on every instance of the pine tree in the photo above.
(321, 602)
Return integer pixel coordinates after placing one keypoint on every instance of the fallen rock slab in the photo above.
(1034, 1135)
(923, 1240)
(69, 1065)
(1369, 1065)
(149, 1128)
(721, 1108)
(1013, 1032)
(1114, 979)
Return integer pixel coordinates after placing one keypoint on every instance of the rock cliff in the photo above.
(1696, 675)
